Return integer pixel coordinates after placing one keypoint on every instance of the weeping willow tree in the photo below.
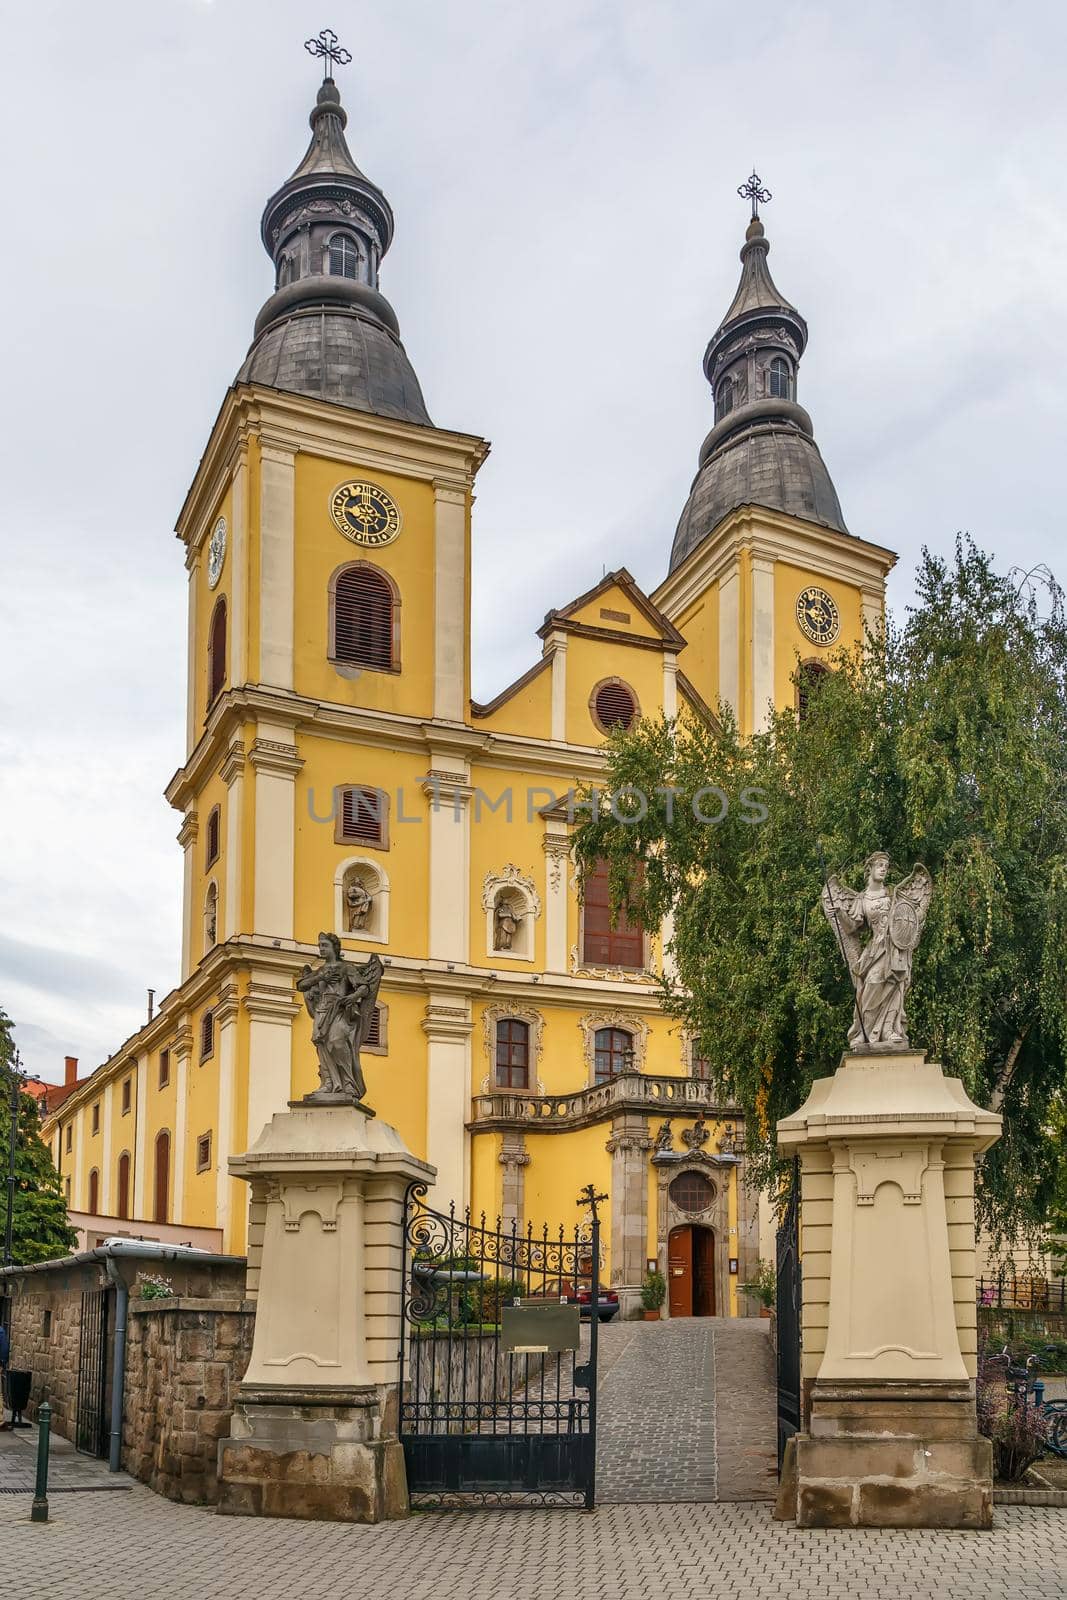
(947, 746)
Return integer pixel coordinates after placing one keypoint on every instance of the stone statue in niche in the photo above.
(340, 997)
(357, 905)
(881, 968)
(507, 920)
(211, 922)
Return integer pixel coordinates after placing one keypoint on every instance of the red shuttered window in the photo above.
(216, 652)
(364, 616)
(603, 945)
(362, 816)
(614, 705)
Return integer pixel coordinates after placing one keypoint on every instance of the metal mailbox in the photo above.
(545, 1327)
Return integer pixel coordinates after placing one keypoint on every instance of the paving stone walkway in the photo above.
(138, 1546)
(686, 1412)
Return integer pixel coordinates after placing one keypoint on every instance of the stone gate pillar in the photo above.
(314, 1431)
(889, 1437)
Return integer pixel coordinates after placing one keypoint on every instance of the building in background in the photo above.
(338, 776)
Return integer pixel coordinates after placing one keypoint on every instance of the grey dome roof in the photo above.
(333, 353)
(329, 332)
(770, 465)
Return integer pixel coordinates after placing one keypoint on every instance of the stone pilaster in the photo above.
(448, 1026)
(557, 848)
(629, 1147)
(514, 1158)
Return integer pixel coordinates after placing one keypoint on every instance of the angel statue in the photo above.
(881, 968)
(340, 998)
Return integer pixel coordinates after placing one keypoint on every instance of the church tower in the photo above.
(763, 569)
(327, 536)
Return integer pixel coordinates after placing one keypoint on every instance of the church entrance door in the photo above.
(691, 1271)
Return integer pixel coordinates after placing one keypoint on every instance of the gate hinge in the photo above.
(583, 1377)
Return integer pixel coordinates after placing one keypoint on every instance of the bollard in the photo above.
(39, 1509)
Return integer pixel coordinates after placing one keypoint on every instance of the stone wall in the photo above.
(184, 1360)
(449, 1366)
(998, 1328)
(46, 1317)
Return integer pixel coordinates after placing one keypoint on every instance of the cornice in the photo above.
(777, 537)
(300, 424)
(270, 755)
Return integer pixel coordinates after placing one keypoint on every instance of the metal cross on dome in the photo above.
(327, 47)
(752, 191)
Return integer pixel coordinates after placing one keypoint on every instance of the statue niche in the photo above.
(507, 922)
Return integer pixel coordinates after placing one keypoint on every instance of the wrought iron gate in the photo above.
(788, 1305)
(480, 1423)
(90, 1419)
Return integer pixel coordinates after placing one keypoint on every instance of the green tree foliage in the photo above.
(41, 1231)
(948, 746)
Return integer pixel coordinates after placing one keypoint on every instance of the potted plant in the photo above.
(763, 1287)
(653, 1294)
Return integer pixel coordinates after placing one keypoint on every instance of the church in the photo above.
(338, 777)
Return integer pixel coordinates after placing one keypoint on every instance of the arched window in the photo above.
(207, 1034)
(364, 619)
(613, 705)
(605, 945)
(162, 1176)
(211, 853)
(613, 1053)
(343, 257)
(779, 382)
(216, 652)
(94, 1192)
(809, 677)
(724, 398)
(123, 1207)
(512, 1054)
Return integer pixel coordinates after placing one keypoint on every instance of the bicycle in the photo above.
(1023, 1384)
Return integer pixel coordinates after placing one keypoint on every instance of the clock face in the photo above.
(365, 514)
(818, 616)
(216, 552)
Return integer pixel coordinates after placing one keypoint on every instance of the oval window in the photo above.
(614, 706)
(692, 1192)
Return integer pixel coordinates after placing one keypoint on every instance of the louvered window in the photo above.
(164, 1068)
(94, 1192)
(512, 1054)
(364, 619)
(216, 652)
(374, 1030)
(613, 1053)
(212, 837)
(123, 1207)
(724, 399)
(203, 1152)
(344, 257)
(162, 1177)
(207, 1034)
(778, 382)
(602, 944)
(808, 679)
(614, 705)
(362, 816)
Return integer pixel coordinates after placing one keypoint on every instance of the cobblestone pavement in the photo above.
(138, 1546)
(686, 1412)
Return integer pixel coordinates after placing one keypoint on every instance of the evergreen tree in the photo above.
(947, 746)
(41, 1231)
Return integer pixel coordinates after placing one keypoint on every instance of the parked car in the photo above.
(607, 1303)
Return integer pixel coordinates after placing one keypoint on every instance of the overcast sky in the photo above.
(563, 176)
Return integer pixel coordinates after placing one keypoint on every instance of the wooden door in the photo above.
(703, 1272)
(680, 1272)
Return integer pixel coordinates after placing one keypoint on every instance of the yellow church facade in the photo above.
(338, 777)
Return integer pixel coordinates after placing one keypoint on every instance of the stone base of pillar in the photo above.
(893, 1455)
(313, 1454)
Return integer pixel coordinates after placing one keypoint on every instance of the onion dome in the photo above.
(327, 331)
(762, 449)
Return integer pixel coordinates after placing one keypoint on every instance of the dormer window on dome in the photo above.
(779, 380)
